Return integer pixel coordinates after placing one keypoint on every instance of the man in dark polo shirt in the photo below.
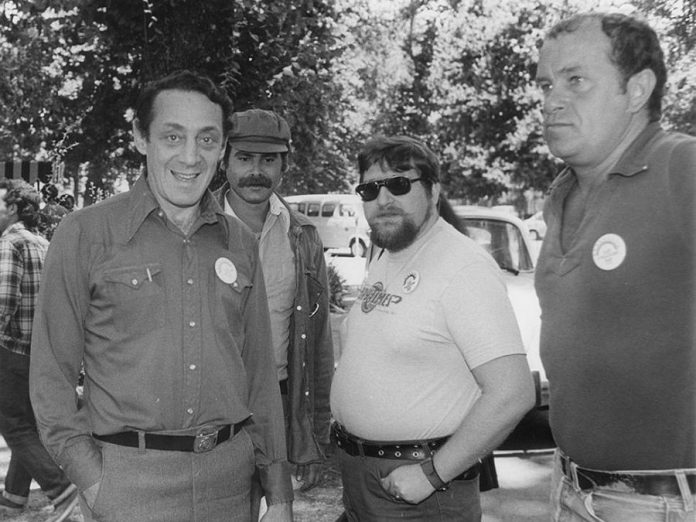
(616, 278)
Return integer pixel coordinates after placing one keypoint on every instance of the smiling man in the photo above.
(161, 295)
(616, 278)
(433, 374)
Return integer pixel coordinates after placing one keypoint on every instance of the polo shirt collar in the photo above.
(633, 161)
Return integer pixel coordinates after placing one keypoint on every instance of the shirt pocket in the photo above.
(136, 294)
(227, 302)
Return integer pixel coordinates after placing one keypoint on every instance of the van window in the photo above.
(313, 209)
(302, 207)
(327, 210)
(347, 211)
(294, 206)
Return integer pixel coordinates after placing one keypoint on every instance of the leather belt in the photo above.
(407, 450)
(204, 441)
(658, 485)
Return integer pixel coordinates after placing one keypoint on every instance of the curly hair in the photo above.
(634, 48)
(27, 199)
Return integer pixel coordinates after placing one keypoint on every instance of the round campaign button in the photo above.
(609, 251)
(411, 281)
(225, 270)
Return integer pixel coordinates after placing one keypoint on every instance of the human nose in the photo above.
(191, 152)
(554, 100)
(384, 197)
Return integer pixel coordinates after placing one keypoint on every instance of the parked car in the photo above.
(339, 219)
(536, 225)
(506, 238)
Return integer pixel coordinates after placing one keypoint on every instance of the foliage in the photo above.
(89, 58)
(456, 73)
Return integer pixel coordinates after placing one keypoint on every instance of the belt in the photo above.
(204, 441)
(658, 485)
(408, 450)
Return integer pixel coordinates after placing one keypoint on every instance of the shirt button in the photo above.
(299, 308)
(192, 324)
(192, 367)
(135, 282)
(190, 411)
(303, 336)
(189, 281)
(306, 393)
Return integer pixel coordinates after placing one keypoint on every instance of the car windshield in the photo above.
(502, 240)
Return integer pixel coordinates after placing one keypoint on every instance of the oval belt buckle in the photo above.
(205, 441)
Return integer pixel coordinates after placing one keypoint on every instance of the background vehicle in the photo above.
(339, 219)
(506, 238)
(536, 225)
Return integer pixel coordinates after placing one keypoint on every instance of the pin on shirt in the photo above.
(609, 251)
(410, 281)
(226, 271)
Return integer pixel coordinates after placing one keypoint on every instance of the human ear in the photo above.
(138, 138)
(640, 87)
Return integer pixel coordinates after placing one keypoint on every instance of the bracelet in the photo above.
(431, 474)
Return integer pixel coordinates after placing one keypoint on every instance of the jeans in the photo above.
(614, 503)
(18, 427)
(364, 499)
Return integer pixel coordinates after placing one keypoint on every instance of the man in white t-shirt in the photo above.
(433, 375)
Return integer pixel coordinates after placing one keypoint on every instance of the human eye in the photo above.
(576, 80)
(208, 140)
(544, 86)
(172, 138)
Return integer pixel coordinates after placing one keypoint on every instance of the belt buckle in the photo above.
(205, 441)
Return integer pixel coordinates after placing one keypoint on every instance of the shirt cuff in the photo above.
(276, 483)
(82, 462)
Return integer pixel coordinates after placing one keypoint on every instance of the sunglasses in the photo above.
(398, 186)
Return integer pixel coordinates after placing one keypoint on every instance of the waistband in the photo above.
(204, 441)
(416, 450)
(677, 482)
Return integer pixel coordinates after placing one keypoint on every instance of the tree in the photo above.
(96, 53)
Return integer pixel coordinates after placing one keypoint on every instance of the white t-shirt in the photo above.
(424, 318)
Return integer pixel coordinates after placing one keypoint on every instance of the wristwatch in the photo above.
(431, 474)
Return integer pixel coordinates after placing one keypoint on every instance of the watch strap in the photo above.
(431, 474)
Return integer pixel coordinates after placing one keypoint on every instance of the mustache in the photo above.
(255, 181)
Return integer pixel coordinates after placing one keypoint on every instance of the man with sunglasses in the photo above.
(433, 374)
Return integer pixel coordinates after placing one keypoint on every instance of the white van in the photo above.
(339, 219)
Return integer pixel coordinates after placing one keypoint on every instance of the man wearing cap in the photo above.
(294, 268)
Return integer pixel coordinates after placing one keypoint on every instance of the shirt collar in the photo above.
(276, 208)
(635, 158)
(143, 202)
(632, 161)
(14, 227)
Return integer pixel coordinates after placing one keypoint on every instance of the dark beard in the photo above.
(396, 240)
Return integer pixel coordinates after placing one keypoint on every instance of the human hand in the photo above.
(408, 483)
(308, 475)
(278, 513)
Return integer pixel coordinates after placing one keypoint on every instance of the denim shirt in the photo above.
(169, 344)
